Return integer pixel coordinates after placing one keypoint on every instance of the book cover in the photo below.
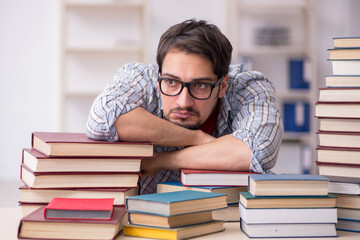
(345, 53)
(348, 201)
(339, 124)
(342, 80)
(339, 94)
(337, 109)
(345, 66)
(296, 116)
(339, 139)
(297, 74)
(78, 144)
(174, 203)
(343, 42)
(348, 225)
(339, 169)
(338, 155)
(79, 208)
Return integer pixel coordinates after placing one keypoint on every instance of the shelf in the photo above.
(106, 4)
(123, 48)
(271, 50)
(284, 6)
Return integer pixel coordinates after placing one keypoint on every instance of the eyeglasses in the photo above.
(198, 90)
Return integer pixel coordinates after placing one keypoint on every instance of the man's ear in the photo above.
(223, 86)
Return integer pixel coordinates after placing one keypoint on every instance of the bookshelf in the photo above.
(278, 38)
(97, 38)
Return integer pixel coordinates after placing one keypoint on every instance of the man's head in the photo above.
(198, 53)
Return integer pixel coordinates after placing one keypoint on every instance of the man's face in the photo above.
(183, 109)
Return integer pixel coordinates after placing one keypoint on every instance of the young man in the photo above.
(199, 111)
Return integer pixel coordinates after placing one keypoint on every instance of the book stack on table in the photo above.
(288, 206)
(70, 165)
(227, 182)
(173, 215)
(338, 110)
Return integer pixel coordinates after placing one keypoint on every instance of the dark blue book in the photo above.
(296, 74)
(296, 117)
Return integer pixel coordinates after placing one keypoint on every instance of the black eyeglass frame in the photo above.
(187, 85)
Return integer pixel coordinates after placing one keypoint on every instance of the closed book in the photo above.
(77, 180)
(250, 201)
(45, 195)
(337, 109)
(348, 201)
(288, 215)
(288, 184)
(27, 208)
(338, 169)
(39, 162)
(173, 233)
(339, 139)
(348, 225)
(79, 208)
(339, 124)
(338, 155)
(194, 177)
(35, 226)
(230, 214)
(343, 42)
(58, 144)
(339, 94)
(345, 66)
(175, 203)
(345, 53)
(342, 80)
(281, 230)
(349, 214)
(170, 222)
(232, 192)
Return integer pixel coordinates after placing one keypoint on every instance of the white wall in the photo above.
(29, 59)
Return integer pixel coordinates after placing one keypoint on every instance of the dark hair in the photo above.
(197, 37)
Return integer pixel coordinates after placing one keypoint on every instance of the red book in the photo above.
(71, 228)
(339, 139)
(80, 208)
(78, 144)
(194, 177)
(339, 169)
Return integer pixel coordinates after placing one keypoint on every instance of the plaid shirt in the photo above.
(248, 112)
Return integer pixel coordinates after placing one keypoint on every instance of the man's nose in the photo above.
(184, 99)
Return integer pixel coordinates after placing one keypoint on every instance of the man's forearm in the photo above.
(140, 125)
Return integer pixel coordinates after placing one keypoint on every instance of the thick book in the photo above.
(339, 94)
(230, 214)
(344, 185)
(288, 230)
(250, 201)
(344, 53)
(288, 184)
(35, 226)
(181, 220)
(45, 195)
(232, 192)
(345, 66)
(56, 144)
(338, 155)
(288, 215)
(194, 177)
(339, 124)
(80, 208)
(348, 201)
(77, 180)
(349, 214)
(342, 80)
(344, 42)
(173, 233)
(338, 169)
(175, 203)
(339, 139)
(337, 109)
(348, 225)
(39, 162)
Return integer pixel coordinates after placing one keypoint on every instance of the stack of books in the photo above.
(173, 215)
(338, 110)
(288, 206)
(71, 165)
(226, 182)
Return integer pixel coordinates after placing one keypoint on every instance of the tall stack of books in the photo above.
(227, 182)
(338, 110)
(70, 165)
(173, 215)
(288, 206)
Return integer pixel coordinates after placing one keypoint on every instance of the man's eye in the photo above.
(171, 82)
(200, 85)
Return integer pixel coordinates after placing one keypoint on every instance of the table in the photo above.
(10, 218)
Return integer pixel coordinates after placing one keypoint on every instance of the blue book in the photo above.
(348, 225)
(175, 203)
(296, 117)
(288, 185)
(232, 192)
(297, 76)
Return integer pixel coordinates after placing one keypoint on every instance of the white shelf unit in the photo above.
(97, 38)
(251, 24)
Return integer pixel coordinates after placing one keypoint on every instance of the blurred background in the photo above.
(57, 55)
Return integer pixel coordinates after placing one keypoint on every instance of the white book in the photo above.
(346, 66)
(287, 215)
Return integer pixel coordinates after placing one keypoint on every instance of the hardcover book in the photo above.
(342, 80)
(288, 184)
(232, 192)
(80, 208)
(338, 155)
(337, 169)
(343, 42)
(339, 139)
(348, 225)
(56, 144)
(339, 94)
(345, 66)
(339, 124)
(35, 226)
(345, 53)
(337, 109)
(349, 214)
(175, 203)
(348, 201)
